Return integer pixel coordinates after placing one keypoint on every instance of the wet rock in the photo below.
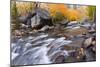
(23, 26)
(89, 55)
(59, 56)
(93, 48)
(76, 43)
(72, 23)
(90, 49)
(92, 31)
(68, 48)
(59, 59)
(17, 34)
(44, 28)
(76, 55)
(87, 25)
(77, 31)
(33, 31)
(87, 42)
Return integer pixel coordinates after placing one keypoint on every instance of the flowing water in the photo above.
(43, 48)
(38, 49)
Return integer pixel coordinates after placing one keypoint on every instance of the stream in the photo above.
(37, 50)
(47, 43)
(43, 48)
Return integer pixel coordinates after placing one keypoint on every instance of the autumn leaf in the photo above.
(73, 14)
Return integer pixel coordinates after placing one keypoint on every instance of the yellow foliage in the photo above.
(69, 13)
(54, 8)
(73, 14)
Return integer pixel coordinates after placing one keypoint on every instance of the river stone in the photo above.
(77, 31)
(59, 56)
(26, 19)
(90, 55)
(90, 49)
(72, 23)
(76, 55)
(44, 28)
(68, 48)
(87, 42)
(76, 43)
(59, 59)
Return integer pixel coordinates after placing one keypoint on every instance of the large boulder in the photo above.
(26, 19)
(41, 19)
(37, 18)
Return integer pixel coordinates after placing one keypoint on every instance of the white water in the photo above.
(37, 54)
